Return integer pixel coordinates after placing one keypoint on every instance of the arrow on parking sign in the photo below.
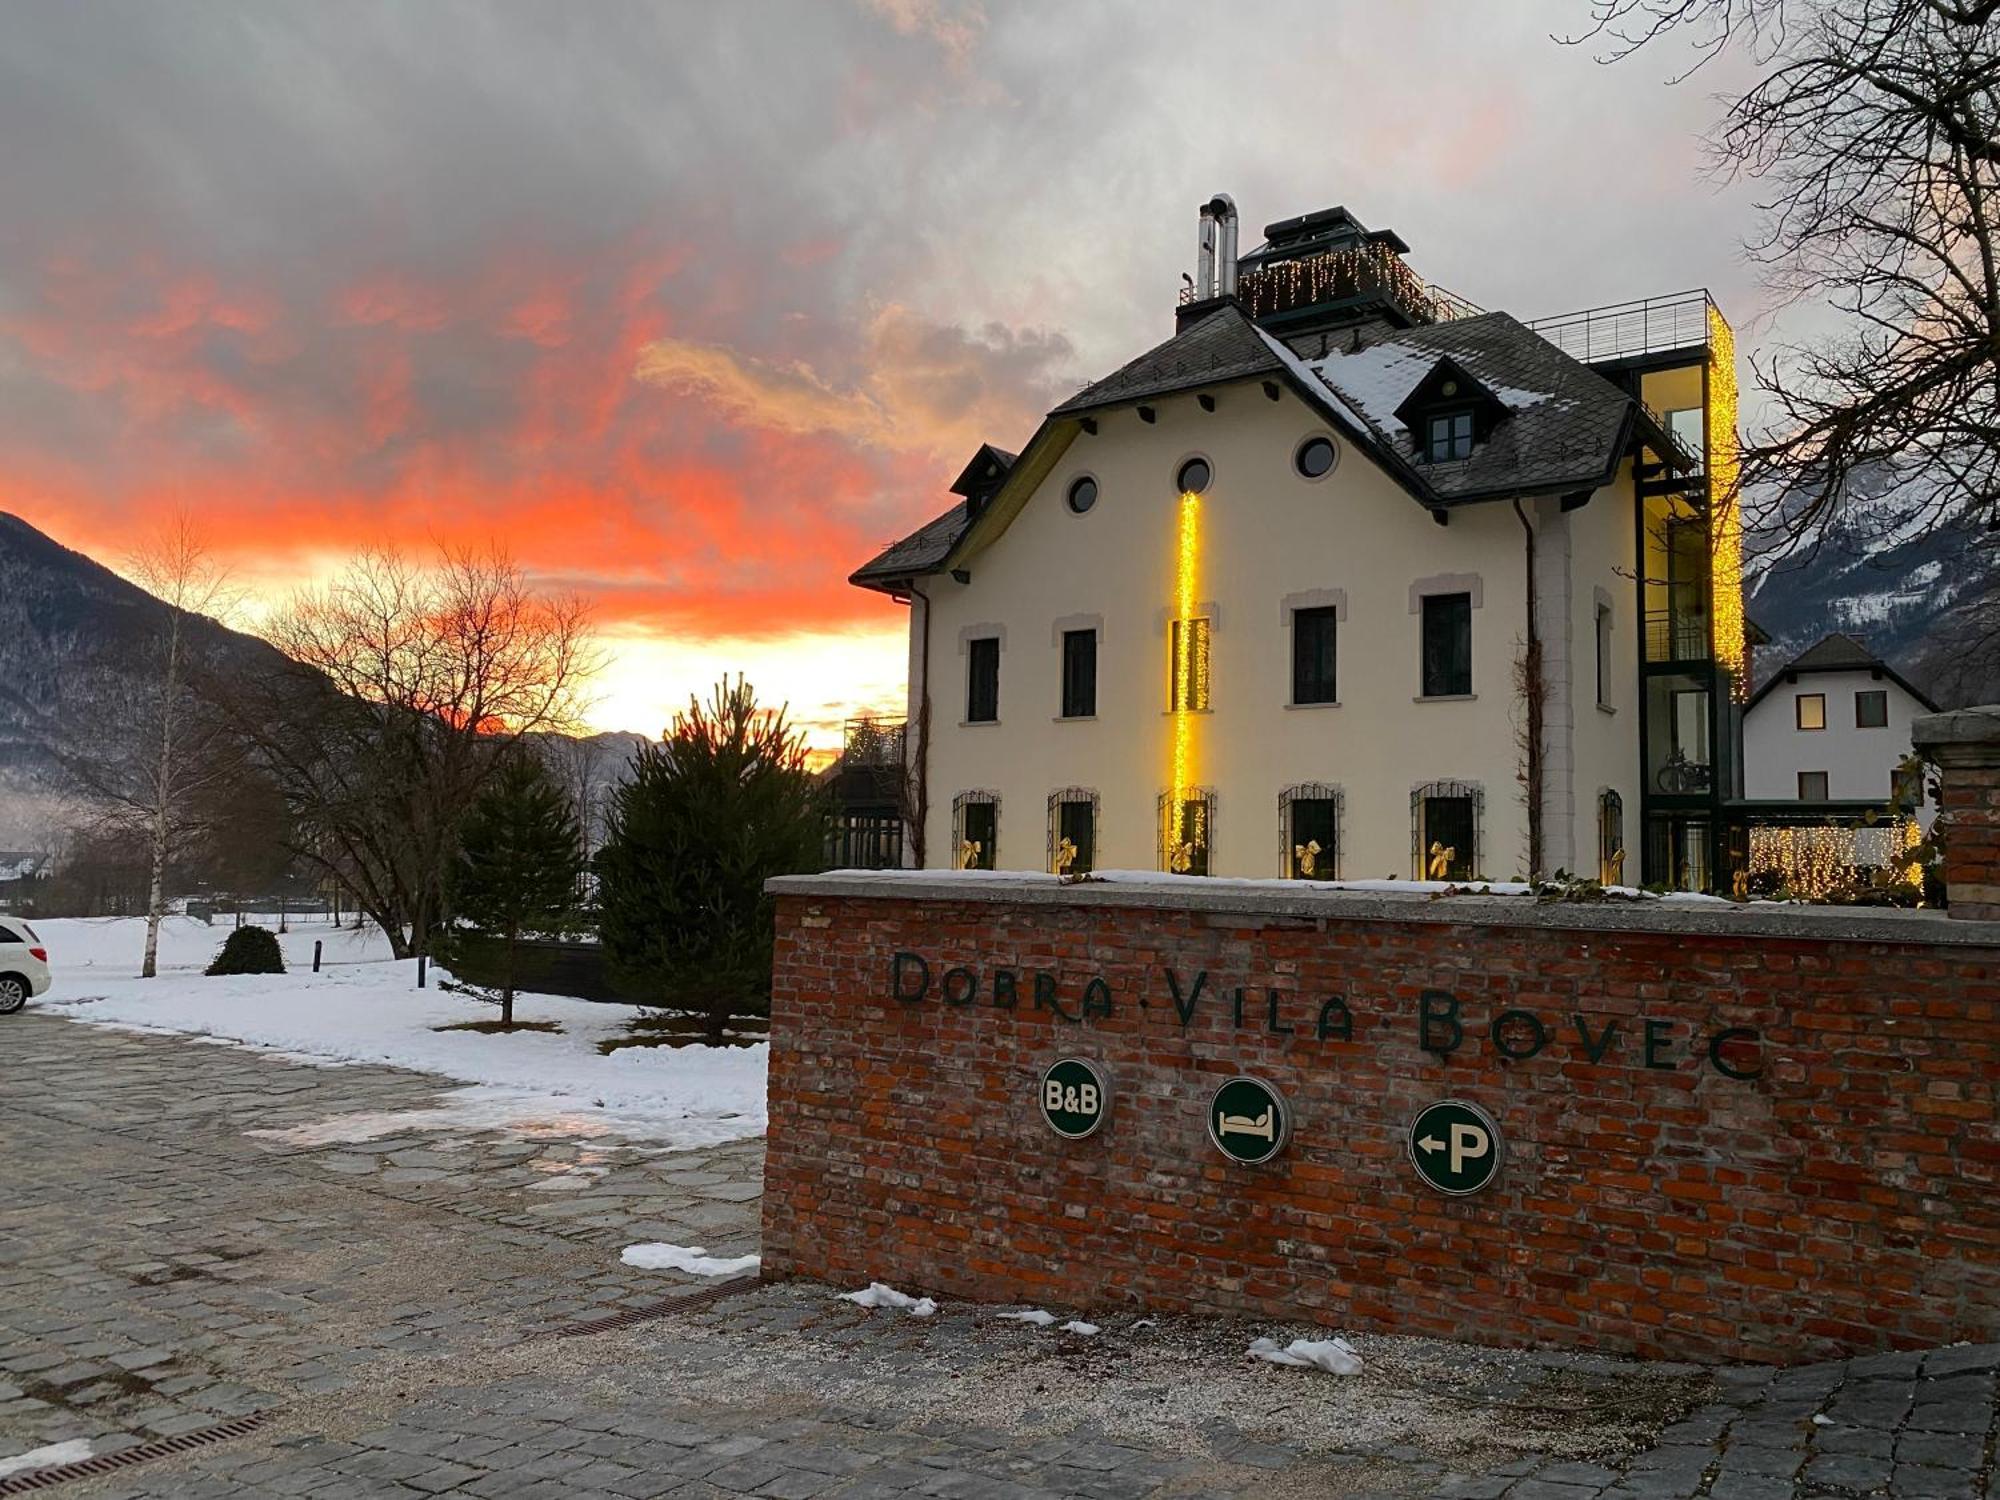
(1455, 1147)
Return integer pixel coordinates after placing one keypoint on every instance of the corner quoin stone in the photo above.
(1731, 1135)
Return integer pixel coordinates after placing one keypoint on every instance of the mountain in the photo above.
(72, 635)
(1913, 598)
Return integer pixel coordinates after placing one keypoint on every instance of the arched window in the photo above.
(975, 831)
(1610, 838)
(1309, 831)
(1445, 819)
(1072, 831)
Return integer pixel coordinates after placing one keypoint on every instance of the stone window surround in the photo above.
(1471, 584)
(1333, 599)
(967, 634)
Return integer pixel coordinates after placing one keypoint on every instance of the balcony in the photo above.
(873, 740)
(1628, 330)
(1352, 276)
(1676, 635)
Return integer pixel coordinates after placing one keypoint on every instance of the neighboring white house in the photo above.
(1263, 601)
(1833, 725)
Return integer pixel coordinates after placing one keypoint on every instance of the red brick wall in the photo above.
(1842, 1201)
(1969, 801)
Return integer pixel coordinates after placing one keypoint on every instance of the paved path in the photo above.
(183, 1239)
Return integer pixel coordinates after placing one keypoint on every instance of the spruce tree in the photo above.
(518, 866)
(707, 817)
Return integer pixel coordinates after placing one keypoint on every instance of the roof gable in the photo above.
(1223, 346)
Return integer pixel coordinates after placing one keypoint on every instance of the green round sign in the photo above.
(1456, 1147)
(1249, 1120)
(1075, 1097)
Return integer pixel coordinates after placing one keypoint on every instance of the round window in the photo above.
(1082, 494)
(1315, 457)
(1193, 477)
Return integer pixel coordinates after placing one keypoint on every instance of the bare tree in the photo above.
(405, 687)
(1873, 131)
(152, 765)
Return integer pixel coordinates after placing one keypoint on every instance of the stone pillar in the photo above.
(1966, 745)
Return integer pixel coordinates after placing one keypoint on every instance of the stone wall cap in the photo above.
(1495, 904)
(1958, 726)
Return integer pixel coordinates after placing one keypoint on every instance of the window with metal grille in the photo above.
(1313, 655)
(975, 822)
(1610, 838)
(1185, 842)
(1448, 435)
(1188, 689)
(1079, 674)
(1309, 831)
(1444, 830)
(1447, 645)
(1072, 831)
(982, 680)
(1871, 709)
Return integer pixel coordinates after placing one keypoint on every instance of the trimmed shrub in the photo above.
(249, 950)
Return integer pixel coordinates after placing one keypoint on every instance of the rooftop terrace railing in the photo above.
(1622, 330)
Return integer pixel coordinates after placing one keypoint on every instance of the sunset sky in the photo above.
(696, 305)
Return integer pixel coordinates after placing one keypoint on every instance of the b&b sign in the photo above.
(1075, 1097)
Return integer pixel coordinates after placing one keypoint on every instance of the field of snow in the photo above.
(364, 1007)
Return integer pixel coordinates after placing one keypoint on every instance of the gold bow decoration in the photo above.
(1441, 858)
(968, 854)
(1065, 855)
(1307, 855)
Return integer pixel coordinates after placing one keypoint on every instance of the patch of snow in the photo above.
(878, 1295)
(1821, 1419)
(362, 1011)
(73, 1451)
(693, 1259)
(1033, 1315)
(1081, 1328)
(1335, 1356)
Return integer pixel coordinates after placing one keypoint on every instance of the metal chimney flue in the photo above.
(1222, 208)
(1205, 254)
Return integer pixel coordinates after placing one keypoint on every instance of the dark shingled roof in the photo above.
(1835, 653)
(922, 551)
(1223, 346)
(1566, 424)
(1841, 653)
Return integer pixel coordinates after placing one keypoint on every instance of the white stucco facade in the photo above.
(1270, 542)
(1859, 762)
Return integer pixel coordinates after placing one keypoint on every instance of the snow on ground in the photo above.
(878, 1295)
(660, 1256)
(74, 1451)
(365, 1008)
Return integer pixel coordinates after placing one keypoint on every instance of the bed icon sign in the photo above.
(1249, 1120)
(1075, 1097)
(1456, 1147)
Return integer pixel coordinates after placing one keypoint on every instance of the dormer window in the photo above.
(1448, 435)
(1449, 413)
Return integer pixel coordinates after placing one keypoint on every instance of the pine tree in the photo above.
(518, 865)
(707, 817)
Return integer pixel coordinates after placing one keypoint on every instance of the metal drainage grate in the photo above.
(124, 1458)
(626, 1317)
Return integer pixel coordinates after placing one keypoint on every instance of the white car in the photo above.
(24, 965)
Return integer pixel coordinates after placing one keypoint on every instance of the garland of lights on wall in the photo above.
(1334, 274)
(1725, 514)
(1815, 861)
(1184, 695)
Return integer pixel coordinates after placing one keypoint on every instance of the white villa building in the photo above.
(1831, 726)
(1345, 579)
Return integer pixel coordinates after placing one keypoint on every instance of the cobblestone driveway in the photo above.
(173, 1256)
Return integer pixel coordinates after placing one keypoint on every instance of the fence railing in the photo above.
(1620, 330)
